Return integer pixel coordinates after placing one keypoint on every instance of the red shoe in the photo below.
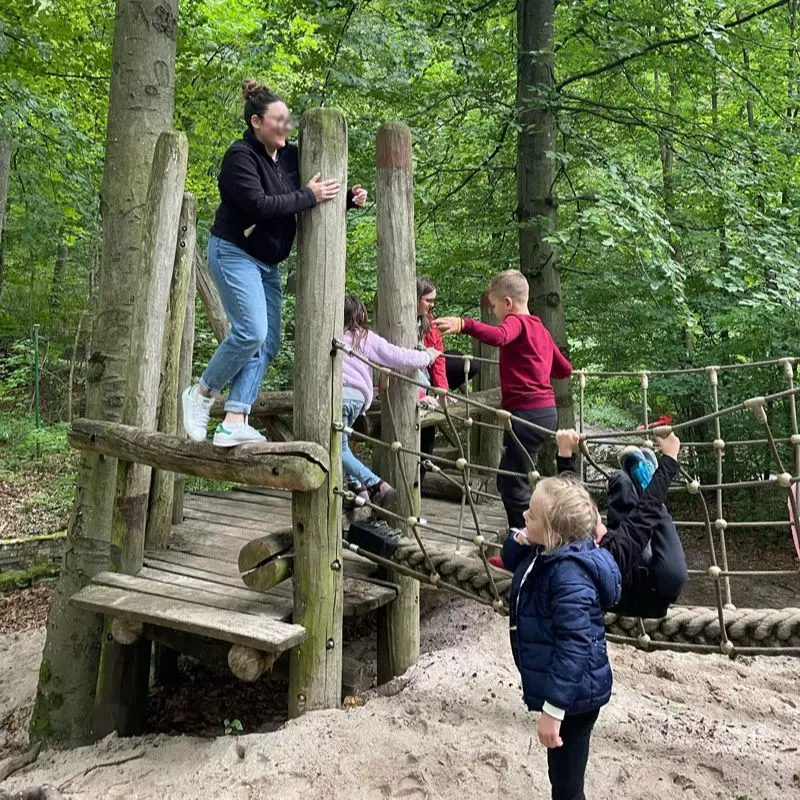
(496, 561)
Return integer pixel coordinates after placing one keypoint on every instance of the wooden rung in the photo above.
(258, 632)
(295, 466)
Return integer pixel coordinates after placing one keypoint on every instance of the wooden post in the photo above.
(184, 379)
(162, 490)
(490, 441)
(209, 294)
(315, 674)
(398, 628)
(124, 669)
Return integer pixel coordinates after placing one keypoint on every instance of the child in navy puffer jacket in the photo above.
(562, 582)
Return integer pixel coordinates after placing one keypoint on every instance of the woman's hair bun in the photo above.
(250, 87)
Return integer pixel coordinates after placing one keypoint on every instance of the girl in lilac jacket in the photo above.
(358, 392)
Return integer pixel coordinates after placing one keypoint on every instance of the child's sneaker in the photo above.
(638, 467)
(232, 434)
(496, 561)
(650, 456)
(381, 494)
(196, 413)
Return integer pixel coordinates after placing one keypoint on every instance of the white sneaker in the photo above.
(236, 433)
(196, 413)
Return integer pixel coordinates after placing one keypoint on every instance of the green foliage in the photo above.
(676, 160)
(233, 726)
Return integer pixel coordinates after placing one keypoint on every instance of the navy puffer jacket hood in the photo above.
(556, 615)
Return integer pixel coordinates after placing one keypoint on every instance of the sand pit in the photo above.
(454, 727)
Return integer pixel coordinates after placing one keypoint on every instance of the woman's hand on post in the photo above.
(323, 190)
(359, 196)
(448, 324)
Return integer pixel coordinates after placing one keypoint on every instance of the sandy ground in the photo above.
(677, 726)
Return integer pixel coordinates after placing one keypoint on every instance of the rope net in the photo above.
(701, 629)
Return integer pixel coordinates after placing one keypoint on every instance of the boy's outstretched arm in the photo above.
(494, 335)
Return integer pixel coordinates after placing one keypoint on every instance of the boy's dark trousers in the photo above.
(516, 491)
(663, 558)
(566, 765)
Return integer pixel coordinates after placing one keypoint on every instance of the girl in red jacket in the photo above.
(444, 373)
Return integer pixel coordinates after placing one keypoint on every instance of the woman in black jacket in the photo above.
(255, 226)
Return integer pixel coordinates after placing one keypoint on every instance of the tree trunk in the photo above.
(5, 174)
(140, 108)
(60, 268)
(536, 200)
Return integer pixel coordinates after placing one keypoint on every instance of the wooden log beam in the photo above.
(184, 379)
(267, 404)
(209, 294)
(122, 679)
(295, 466)
(162, 489)
(398, 627)
(126, 631)
(315, 677)
(249, 665)
(267, 561)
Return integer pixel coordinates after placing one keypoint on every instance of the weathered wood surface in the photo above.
(267, 404)
(140, 409)
(209, 294)
(398, 629)
(122, 678)
(189, 594)
(260, 632)
(297, 466)
(316, 666)
(184, 379)
(162, 489)
(489, 441)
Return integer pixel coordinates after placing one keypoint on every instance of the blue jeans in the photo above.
(355, 470)
(251, 294)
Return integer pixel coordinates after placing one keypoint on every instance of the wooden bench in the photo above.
(237, 617)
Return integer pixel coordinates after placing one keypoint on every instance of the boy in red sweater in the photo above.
(529, 359)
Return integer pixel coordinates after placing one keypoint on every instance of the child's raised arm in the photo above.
(377, 349)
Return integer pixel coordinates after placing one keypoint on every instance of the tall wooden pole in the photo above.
(490, 440)
(162, 490)
(398, 629)
(121, 696)
(315, 674)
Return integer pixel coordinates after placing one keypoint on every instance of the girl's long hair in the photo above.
(356, 319)
(424, 286)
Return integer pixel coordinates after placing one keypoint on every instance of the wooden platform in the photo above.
(195, 587)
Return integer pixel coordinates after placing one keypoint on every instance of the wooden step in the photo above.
(260, 632)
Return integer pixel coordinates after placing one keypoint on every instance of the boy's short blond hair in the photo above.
(511, 283)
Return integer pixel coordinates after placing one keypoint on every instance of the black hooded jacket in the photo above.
(257, 190)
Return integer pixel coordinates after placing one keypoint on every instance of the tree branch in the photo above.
(677, 40)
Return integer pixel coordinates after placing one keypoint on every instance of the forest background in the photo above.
(638, 161)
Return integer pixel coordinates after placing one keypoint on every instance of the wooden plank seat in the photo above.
(251, 627)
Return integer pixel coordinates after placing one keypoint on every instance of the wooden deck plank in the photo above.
(198, 596)
(211, 587)
(260, 632)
